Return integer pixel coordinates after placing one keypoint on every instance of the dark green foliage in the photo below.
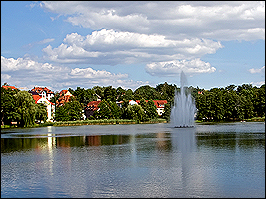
(26, 108)
(147, 92)
(70, 111)
(107, 110)
(41, 112)
(9, 106)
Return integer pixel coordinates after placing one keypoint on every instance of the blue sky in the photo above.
(64, 45)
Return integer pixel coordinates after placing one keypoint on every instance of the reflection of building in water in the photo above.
(161, 141)
(94, 140)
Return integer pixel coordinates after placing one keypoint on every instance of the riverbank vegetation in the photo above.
(232, 103)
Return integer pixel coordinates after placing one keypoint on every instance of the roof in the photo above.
(12, 87)
(63, 99)
(36, 98)
(41, 89)
(93, 105)
(157, 103)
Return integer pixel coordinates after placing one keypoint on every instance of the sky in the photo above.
(129, 44)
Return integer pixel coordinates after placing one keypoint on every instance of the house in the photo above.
(65, 96)
(44, 92)
(159, 105)
(49, 105)
(132, 102)
(65, 93)
(91, 108)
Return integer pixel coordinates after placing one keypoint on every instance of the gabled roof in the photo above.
(63, 99)
(41, 89)
(93, 105)
(36, 98)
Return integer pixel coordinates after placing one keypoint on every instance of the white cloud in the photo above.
(173, 68)
(117, 47)
(29, 73)
(174, 19)
(257, 70)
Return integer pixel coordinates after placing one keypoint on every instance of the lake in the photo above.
(137, 160)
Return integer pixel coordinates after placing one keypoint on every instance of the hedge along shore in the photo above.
(105, 122)
(118, 121)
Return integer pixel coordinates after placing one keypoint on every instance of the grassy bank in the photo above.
(119, 121)
(105, 122)
(254, 119)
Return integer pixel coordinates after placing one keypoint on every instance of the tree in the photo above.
(70, 111)
(151, 112)
(147, 92)
(109, 94)
(26, 109)
(9, 106)
(135, 112)
(41, 112)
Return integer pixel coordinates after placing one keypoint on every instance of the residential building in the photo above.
(159, 105)
(50, 107)
(44, 92)
(65, 96)
(91, 108)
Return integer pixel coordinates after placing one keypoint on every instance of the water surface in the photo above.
(139, 160)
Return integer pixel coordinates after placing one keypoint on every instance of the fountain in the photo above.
(182, 113)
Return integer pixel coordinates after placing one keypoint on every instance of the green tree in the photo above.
(70, 111)
(9, 106)
(41, 112)
(147, 92)
(109, 94)
(135, 112)
(150, 110)
(26, 108)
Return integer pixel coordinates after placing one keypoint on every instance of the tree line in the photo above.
(217, 104)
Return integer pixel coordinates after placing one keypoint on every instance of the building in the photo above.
(64, 96)
(159, 105)
(44, 92)
(50, 107)
(91, 108)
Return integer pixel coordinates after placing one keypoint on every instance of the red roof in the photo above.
(40, 89)
(63, 91)
(36, 98)
(12, 87)
(157, 103)
(63, 99)
(93, 105)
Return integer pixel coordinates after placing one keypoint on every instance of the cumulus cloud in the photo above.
(257, 70)
(173, 68)
(27, 73)
(176, 19)
(117, 47)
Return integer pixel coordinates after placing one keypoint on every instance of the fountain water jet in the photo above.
(184, 109)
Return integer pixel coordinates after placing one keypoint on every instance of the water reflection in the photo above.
(134, 161)
(50, 141)
(186, 140)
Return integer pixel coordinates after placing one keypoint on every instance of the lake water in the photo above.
(138, 160)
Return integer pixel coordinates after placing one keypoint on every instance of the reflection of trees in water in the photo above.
(230, 140)
(144, 142)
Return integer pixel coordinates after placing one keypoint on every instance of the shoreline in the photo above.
(123, 121)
